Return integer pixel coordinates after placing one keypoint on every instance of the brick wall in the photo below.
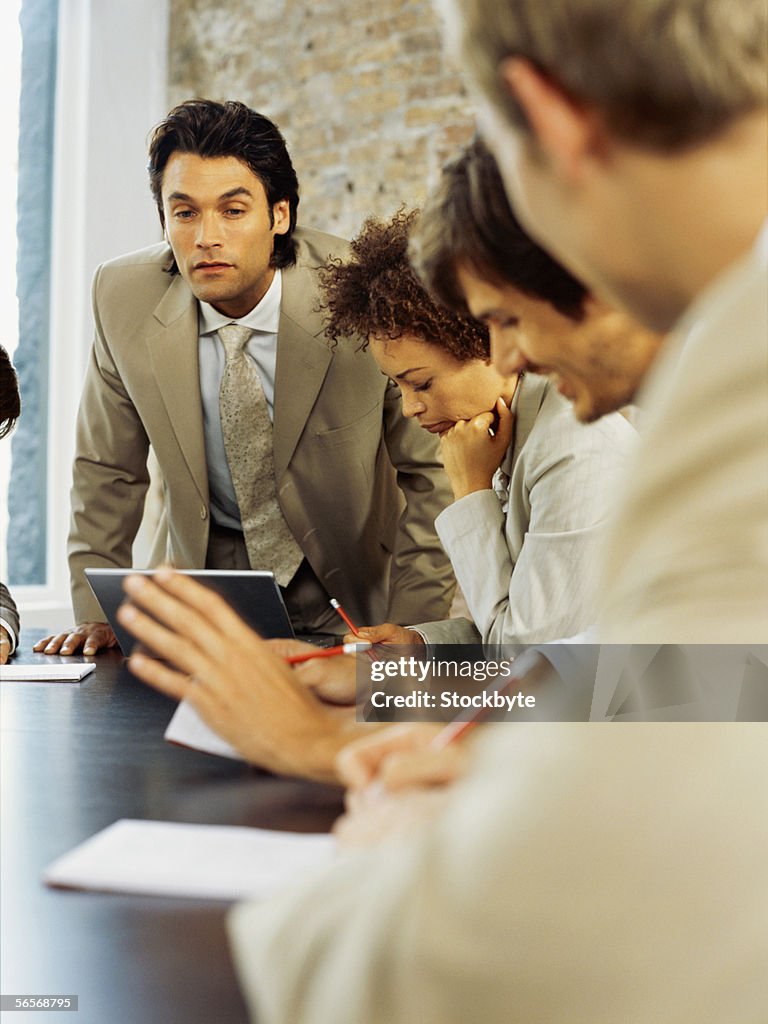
(368, 104)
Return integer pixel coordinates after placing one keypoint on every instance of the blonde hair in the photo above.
(665, 73)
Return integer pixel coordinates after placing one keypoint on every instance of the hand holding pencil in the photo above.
(328, 652)
(390, 774)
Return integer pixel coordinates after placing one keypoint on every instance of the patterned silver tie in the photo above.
(247, 432)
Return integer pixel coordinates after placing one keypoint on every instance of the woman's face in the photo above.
(438, 389)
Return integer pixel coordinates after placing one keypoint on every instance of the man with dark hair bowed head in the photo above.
(10, 409)
(276, 451)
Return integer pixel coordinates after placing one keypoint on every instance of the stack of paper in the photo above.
(187, 729)
(219, 862)
(52, 672)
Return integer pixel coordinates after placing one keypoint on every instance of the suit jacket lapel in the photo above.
(172, 342)
(532, 392)
(303, 358)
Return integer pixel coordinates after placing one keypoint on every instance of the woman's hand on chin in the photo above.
(473, 449)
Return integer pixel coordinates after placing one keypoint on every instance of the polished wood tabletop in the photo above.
(75, 758)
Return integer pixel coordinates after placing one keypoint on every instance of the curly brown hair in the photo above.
(376, 292)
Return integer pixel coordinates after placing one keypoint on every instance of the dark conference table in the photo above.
(75, 758)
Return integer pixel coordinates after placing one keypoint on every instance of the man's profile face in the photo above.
(218, 224)
(597, 363)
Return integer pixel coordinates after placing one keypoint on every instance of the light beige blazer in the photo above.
(581, 874)
(359, 485)
(687, 560)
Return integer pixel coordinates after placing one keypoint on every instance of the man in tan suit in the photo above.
(350, 504)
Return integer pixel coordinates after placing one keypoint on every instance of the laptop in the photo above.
(253, 594)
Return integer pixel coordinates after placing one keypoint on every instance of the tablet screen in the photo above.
(254, 595)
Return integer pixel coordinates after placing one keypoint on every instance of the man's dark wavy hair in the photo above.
(468, 220)
(210, 129)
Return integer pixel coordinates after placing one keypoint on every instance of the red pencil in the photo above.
(340, 611)
(522, 664)
(328, 652)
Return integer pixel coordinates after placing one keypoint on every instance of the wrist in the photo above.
(316, 755)
(464, 487)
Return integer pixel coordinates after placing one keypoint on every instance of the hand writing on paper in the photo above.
(235, 681)
(395, 780)
(332, 680)
(375, 815)
(386, 633)
(91, 636)
(401, 757)
(470, 455)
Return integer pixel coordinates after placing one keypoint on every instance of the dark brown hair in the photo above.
(376, 292)
(10, 399)
(468, 220)
(210, 129)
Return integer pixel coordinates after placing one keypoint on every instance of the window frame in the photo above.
(111, 87)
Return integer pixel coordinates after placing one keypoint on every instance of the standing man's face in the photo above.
(597, 362)
(218, 223)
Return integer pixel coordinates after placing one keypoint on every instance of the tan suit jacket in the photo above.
(582, 874)
(687, 560)
(360, 486)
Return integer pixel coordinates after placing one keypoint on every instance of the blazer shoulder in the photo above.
(314, 248)
(152, 257)
(130, 288)
(556, 433)
(135, 282)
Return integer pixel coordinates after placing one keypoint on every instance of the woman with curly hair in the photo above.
(531, 485)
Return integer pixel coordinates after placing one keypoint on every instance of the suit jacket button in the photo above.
(203, 512)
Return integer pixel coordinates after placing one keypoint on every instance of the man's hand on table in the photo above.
(91, 636)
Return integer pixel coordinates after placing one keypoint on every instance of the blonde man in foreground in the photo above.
(592, 874)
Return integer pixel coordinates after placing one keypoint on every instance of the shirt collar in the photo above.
(264, 317)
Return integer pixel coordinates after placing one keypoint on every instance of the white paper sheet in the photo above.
(55, 672)
(161, 858)
(189, 730)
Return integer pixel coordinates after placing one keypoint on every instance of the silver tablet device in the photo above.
(254, 595)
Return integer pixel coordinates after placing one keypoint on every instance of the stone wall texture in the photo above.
(368, 103)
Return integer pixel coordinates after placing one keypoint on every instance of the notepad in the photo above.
(54, 672)
(217, 862)
(187, 729)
